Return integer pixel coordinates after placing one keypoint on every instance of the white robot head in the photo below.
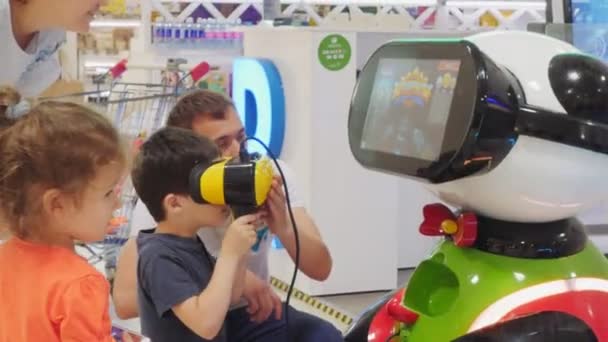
(511, 125)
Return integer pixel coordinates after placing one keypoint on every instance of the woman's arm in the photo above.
(124, 293)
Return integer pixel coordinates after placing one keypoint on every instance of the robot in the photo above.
(523, 136)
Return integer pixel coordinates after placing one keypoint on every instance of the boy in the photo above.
(212, 115)
(183, 292)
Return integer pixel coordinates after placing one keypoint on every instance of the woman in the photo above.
(31, 32)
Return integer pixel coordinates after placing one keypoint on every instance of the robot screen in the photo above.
(409, 107)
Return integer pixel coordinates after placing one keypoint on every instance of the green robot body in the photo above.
(450, 290)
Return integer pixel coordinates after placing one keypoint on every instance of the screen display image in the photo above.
(409, 107)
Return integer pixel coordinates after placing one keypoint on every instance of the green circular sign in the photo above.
(334, 52)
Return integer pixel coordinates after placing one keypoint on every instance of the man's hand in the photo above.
(275, 209)
(262, 301)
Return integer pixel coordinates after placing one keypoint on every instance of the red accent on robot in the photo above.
(386, 322)
(439, 220)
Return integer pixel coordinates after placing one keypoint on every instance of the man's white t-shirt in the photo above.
(31, 71)
(212, 237)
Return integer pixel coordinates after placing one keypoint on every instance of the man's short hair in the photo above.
(164, 163)
(205, 103)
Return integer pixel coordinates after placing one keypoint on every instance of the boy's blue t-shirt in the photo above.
(170, 270)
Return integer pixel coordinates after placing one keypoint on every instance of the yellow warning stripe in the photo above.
(312, 302)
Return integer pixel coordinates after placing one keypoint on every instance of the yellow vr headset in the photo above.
(240, 184)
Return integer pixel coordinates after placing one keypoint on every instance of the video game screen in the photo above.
(589, 30)
(409, 107)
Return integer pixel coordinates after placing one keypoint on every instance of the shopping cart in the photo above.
(137, 110)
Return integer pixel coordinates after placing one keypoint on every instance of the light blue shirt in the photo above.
(33, 70)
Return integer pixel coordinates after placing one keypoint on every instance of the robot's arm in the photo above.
(543, 326)
(368, 324)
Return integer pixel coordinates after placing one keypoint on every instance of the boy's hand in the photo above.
(275, 208)
(240, 236)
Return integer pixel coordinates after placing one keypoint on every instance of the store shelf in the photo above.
(201, 51)
(415, 14)
(116, 23)
(317, 2)
(530, 5)
(100, 61)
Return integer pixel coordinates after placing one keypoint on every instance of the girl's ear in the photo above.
(54, 202)
(57, 206)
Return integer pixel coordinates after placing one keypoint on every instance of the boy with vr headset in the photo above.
(258, 315)
(183, 292)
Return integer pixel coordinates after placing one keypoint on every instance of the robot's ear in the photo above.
(540, 327)
(580, 83)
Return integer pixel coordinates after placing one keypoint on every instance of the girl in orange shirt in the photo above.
(60, 165)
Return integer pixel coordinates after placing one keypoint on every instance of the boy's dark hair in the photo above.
(204, 103)
(163, 165)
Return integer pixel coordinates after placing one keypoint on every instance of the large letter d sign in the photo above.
(258, 95)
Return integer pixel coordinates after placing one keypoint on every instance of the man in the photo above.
(258, 315)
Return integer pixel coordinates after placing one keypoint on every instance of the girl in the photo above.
(31, 32)
(59, 169)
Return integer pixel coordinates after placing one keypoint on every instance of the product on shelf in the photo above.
(106, 41)
(489, 20)
(122, 8)
(204, 33)
(216, 80)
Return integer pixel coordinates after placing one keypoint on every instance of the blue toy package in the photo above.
(581, 12)
(264, 234)
(591, 39)
(590, 11)
(276, 243)
(589, 31)
(261, 235)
